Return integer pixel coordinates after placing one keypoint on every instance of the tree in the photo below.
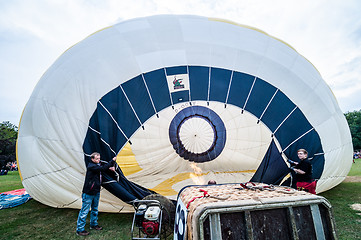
(354, 122)
(8, 136)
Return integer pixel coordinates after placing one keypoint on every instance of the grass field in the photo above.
(356, 168)
(10, 182)
(34, 220)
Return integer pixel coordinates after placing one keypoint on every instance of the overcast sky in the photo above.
(34, 33)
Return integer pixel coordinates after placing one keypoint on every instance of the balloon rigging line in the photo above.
(108, 146)
(189, 92)
(136, 115)
(118, 128)
(267, 105)
(229, 87)
(94, 130)
(111, 116)
(209, 84)
(46, 173)
(316, 154)
(297, 139)
(249, 94)
(170, 95)
(67, 204)
(150, 96)
(101, 139)
(284, 120)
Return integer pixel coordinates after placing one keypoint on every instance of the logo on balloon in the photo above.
(177, 83)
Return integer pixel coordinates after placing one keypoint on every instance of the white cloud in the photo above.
(34, 33)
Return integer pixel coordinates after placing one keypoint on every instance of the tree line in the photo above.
(354, 122)
(8, 136)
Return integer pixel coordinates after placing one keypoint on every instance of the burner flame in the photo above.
(197, 175)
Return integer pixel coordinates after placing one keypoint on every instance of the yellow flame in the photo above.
(165, 187)
(197, 176)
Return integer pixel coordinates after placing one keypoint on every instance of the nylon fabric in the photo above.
(114, 89)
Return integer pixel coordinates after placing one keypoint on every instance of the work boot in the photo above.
(97, 227)
(82, 233)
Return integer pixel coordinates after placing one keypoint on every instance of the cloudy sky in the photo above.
(34, 33)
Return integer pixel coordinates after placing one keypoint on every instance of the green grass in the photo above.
(356, 168)
(9, 182)
(34, 220)
(348, 221)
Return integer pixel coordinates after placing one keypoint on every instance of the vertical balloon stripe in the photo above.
(130, 104)
(94, 136)
(274, 115)
(260, 96)
(150, 96)
(249, 93)
(240, 87)
(294, 126)
(158, 88)
(270, 101)
(137, 93)
(229, 88)
(119, 109)
(219, 83)
(115, 122)
(111, 133)
(198, 77)
(297, 139)
(170, 95)
(284, 120)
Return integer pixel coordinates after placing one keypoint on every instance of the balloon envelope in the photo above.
(179, 100)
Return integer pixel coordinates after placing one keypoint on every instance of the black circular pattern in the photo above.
(216, 123)
(180, 222)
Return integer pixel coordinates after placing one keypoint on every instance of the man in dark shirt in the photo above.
(91, 193)
(303, 170)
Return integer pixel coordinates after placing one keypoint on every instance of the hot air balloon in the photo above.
(179, 100)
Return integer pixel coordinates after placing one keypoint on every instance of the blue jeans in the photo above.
(88, 201)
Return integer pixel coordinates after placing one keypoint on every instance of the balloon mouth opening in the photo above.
(197, 134)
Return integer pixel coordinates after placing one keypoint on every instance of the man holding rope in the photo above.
(91, 193)
(303, 170)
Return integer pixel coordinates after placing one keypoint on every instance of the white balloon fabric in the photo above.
(179, 100)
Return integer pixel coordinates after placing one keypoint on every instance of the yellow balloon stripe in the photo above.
(165, 187)
(16, 147)
(127, 162)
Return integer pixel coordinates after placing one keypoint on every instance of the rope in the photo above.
(205, 194)
(254, 187)
(270, 187)
(248, 186)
